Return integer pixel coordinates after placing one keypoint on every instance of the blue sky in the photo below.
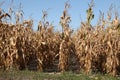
(33, 9)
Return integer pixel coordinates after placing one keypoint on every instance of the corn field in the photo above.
(89, 49)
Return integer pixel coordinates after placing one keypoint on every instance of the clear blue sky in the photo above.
(33, 9)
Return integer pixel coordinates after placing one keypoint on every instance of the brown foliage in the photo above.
(97, 48)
